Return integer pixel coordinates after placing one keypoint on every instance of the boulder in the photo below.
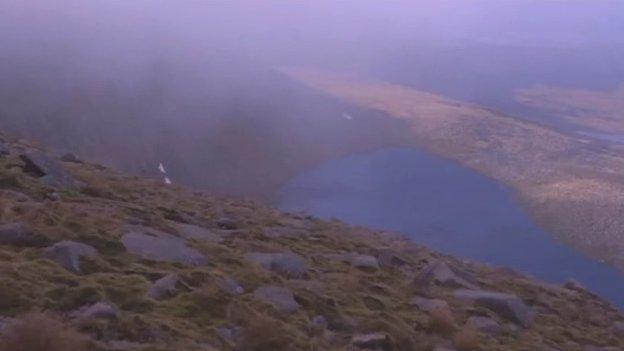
(18, 234)
(51, 172)
(227, 223)
(373, 341)
(441, 273)
(364, 262)
(507, 306)
(280, 298)
(69, 253)
(389, 258)
(166, 287)
(484, 324)
(70, 157)
(230, 334)
(99, 310)
(152, 244)
(190, 231)
(230, 286)
(286, 264)
(428, 305)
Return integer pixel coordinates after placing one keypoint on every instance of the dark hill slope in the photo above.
(132, 264)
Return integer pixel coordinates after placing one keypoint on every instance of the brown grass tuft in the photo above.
(441, 321)
(467, 339)
(265, 334)
(41, 332)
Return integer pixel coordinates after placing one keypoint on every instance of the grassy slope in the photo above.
(571, 187)
(352, 300)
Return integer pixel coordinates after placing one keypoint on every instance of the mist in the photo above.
(197, 84)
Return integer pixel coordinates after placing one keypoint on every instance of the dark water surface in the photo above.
(446, 207)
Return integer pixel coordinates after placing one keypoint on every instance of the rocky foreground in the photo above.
(94, 260)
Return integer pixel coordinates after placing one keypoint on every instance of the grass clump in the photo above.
(467, 339)
(41, 332)
(441, 321)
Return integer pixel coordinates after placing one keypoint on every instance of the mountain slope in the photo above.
(133, 264)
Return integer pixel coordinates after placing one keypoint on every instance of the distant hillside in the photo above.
(124, 263)
(237, 128)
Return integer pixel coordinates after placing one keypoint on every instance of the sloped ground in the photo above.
(131, 264)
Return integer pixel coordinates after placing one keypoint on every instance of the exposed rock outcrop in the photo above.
(69, 254)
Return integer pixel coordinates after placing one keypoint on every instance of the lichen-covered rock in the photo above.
(191, 231)
(286, 264)
(507, 306)
(428, 305)
(18, 234)
(156, 245)
(69, 253)
(280, 298)
(99, 310)
(50, 171)
(230, 286)
(166, 287)
(440, 272)
(484, 324)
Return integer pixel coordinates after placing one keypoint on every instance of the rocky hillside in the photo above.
(95, 260)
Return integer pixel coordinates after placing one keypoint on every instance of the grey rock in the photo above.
(70, 157)
(190, 231)
(4, 149)
(156, 245)
(372, 341)
(619, 328)
(364, 262)
(99, 310)
(69, 253)
(280, 298)
(18, 234)
(317, 325)
(428, 305)
(575, 285)
(230, 334)
(230, 286)
(5, 322)
(54, 196)
(441, 273)
(286, 264)
(50, 171)
(507, 306)
(166, 287)
(389, 258)
(227, 223)
(484, 324)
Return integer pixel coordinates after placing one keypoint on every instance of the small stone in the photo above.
(372, 341)
(364, 262)
(54, 196)
(317, 325)
(280, 298)
(99, 310)
(227, 224)
(70, 157)
(165, 287)
(507, 306)
(230, 286)
(484, 324)
(286, 264)
(69, 253)
(441, 273)
(428, 305)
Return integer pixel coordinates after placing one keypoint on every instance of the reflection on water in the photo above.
(446, 207)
